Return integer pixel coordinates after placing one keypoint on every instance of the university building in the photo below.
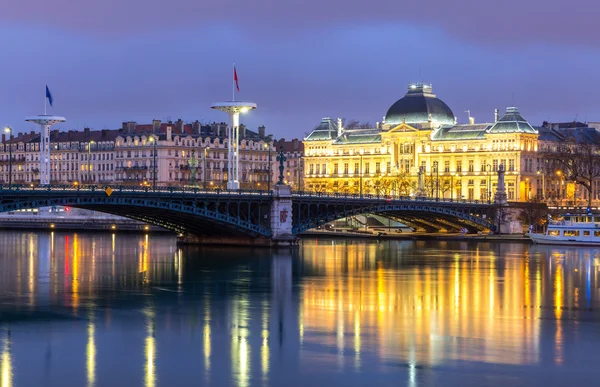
(420, 135)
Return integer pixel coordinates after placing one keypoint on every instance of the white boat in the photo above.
(581, 230)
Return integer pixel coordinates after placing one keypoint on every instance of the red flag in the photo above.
(235, 78)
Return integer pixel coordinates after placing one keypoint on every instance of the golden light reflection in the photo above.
(150, 350)
(240, 347)
(264, 348)
(558, 310)
(91, 354)
(207, 338)
(6, 370)
(426, 307)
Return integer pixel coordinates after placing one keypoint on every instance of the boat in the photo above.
(579, 230)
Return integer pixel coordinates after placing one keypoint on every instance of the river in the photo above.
(135, 310)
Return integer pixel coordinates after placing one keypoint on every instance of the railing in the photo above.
(85, 188)
(387, 197)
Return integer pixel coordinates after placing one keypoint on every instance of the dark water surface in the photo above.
(134, 310)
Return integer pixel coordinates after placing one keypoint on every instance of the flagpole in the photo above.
(233, 84)
(45, 102)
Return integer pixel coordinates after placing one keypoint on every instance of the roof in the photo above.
(290, 146)
(461, 132)
(326, 130)
(359, 136)
(512, 122)
(420, 105)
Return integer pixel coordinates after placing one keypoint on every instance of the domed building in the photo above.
(420, 136)
(420, 106)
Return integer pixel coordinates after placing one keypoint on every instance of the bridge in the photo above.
(248, 216)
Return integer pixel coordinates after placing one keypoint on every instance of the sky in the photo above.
(109, 61)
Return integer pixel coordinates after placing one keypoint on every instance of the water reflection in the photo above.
(130, 310)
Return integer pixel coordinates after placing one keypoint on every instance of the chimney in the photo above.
(32, 133)
(495, 115)
(196, 127)
(131, 127)
(3, 137)
(471, 120)
(155, 126)
(86, 132)
(104, 132)
(179, 125)
(295, 144)
(261, 131)
(340, 128)
(222, 129)
(169, 132)
(243, 130)
(124, 127)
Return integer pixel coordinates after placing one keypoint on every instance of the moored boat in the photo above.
(582, 230)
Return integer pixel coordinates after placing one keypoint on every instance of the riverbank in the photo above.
(416, 236)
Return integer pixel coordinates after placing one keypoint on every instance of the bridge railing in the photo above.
(388, 198)
(4, 188)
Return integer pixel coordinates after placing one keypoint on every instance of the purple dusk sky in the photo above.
(108, 61)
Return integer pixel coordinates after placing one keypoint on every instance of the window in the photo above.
(367, 168)
(596, 233)
(511, 165)
(335, 169)
(471, 165)
(586, 233)
(495, 165)
(356, 169)
(324, 169)
(389, 167)
(377, 167)
(311, 169)
(458, 165)
(571, 233)
(345, 168)
(447, 166)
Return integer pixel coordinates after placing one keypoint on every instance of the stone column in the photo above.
(281, 215)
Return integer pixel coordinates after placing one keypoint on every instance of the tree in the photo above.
(355, 124)
(579, 163)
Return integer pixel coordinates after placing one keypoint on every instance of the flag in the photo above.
(235, 78)
(49, 96)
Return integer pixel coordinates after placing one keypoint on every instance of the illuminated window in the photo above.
(554, 232)
(586, 233)
(571, 233)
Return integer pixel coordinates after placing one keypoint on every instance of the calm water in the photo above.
(134, 310)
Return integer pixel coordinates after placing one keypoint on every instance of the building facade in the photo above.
(420, 136)
(165, 154)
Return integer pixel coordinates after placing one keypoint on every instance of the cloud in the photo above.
(507, 22)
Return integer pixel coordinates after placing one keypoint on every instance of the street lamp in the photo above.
(437, 180)
(541, 172)
(560, 176)
(206, 149)
(8, 130)
(361, 172)
(489, 179)
(268, 146)
(153, 141)
(89, 158)
(452, 186)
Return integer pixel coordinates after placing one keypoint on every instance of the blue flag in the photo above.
(49, 96)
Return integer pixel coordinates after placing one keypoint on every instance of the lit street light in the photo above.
(268, 146)
(8, 130)
(89, 158)
(206, 149)
(154, 141)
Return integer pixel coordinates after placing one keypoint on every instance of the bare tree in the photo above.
(355, 124)
(579, 163)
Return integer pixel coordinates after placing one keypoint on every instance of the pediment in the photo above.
(402, 128)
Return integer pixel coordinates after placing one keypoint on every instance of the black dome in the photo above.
(419, 106)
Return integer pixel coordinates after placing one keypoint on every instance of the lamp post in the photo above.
(560, 183)
(268, 146)
(193, 163)
(489, 173)
(206, 149)
(452, 186)
(541, 172)
(89, 158)
(437, 180)
(361, 173)
(154, 141)
(8, 130)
